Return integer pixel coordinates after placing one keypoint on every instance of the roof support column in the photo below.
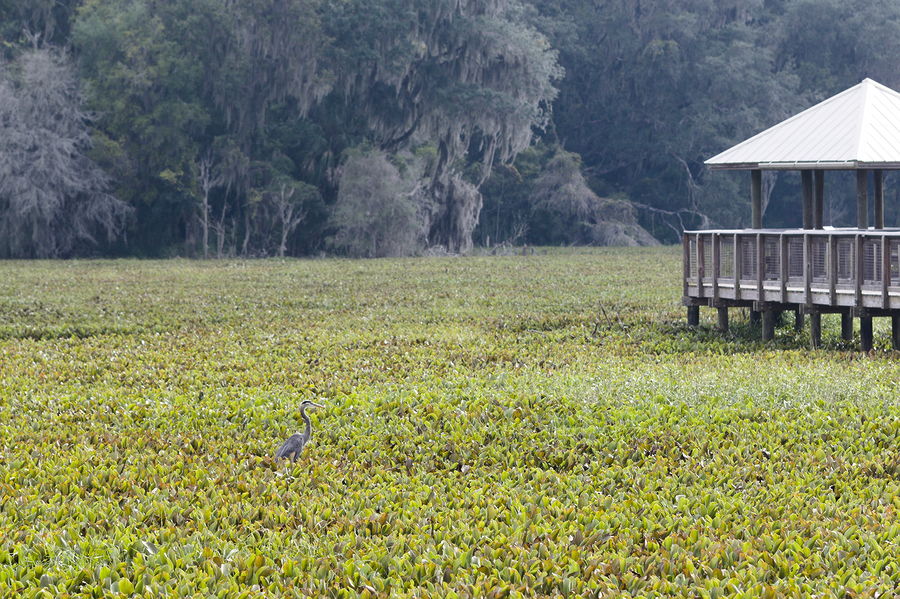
(807, 178)
(756, 199)
(879, 198)
(862, 199)
(819, 208)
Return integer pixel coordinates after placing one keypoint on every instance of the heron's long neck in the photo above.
(308, 431)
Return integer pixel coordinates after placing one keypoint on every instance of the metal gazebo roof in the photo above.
(858, 128)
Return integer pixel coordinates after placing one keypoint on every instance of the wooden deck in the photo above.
(854, 272)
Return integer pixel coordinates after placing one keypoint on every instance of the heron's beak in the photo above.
(316, 405)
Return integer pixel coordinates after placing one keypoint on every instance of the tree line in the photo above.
(391, 127)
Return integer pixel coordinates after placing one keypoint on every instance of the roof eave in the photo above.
(819, 165)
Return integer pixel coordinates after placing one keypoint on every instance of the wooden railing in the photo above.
(833, 267)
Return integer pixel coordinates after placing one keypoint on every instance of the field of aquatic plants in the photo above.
(513, 426)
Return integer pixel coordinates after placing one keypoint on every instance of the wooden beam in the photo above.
(807, 270)
(833, 268)
(701, 265)
(806, 177)
(756, 199)
(879, 198)
(760, 267)
(862, 199)
(819, 203)
(716, 265)
(885, 272)
(860, 266)
(783, 254)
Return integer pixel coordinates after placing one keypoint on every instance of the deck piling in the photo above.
(723, 319)
(815, 329)
(693, 316)
(768, 325)
(846, 326)
(865, 333)
(895, 332)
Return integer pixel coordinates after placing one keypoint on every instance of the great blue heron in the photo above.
(292, 448)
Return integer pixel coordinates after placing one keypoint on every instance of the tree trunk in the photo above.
(205, 226)
(457, 217)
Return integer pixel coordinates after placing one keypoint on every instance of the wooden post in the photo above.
(701, 265)
(760, 267)
(807, 270)
(847, 326)
(686, 259)
(723, 319)
(879, 198)
(860, 267)
(862, 199)
(756, 198)
(737, 267)
(716, 265)
(895, 332)
(815, 329)
(819, 206)
(785, 272)
(865, 333)
(885, 272)
(768, 324)
(798, 320)
(832, 268)
(693, 316)
(806, 177)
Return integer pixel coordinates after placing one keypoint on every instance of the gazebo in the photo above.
(814, 270)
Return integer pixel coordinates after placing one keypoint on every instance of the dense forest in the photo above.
(216, 128)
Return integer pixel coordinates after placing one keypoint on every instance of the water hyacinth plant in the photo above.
(520, 426)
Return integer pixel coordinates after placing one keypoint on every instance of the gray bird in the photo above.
(292, 448)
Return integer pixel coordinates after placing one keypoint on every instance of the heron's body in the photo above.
(293, 447)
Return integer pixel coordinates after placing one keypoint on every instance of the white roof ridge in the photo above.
(866, 85)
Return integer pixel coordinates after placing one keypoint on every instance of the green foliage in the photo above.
(523, 426)
(543, 199)
(377, 210)
(640, 92)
